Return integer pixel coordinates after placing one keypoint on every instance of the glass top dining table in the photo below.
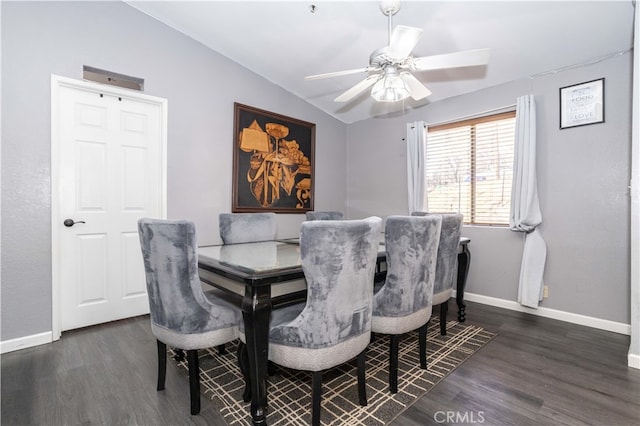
(258, 263)
(263, 274)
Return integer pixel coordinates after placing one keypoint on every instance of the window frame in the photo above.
(472, 122)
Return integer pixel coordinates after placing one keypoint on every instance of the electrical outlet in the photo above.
(545, 291)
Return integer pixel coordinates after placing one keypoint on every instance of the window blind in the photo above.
(469, 168)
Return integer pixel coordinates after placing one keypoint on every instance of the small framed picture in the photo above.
(582, 104)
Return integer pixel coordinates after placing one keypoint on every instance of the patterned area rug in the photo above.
(290, 391)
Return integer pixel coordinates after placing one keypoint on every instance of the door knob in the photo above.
(69, 222)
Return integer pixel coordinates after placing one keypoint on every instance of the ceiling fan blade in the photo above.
(358, 88)
(337, 73)
(403, 40)
(465, 58)
(417, 90)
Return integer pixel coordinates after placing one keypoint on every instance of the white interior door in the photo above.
(108, 169)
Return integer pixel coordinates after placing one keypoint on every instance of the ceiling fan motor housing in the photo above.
(381, 58)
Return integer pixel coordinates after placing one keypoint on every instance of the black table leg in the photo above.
(256, 310)
(464, 260)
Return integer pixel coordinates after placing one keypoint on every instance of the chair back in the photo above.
(176, 299)
(338, 259)
(447, 266)
(326, 215)
(411, 244)
(236, 228)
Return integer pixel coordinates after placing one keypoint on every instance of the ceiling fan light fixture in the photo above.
(390, 88)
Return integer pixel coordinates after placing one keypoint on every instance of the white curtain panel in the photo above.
(525, 213)
(416, 150)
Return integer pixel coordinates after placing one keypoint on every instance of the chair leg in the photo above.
(422, 340)
(272, 369)
(194, 380)
(162, 364)
(444, 307)
(222, 350)
(362, 384)
(393, 363)
(243, 362)
(316, 394)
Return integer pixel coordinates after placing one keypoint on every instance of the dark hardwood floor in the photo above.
(537, 371)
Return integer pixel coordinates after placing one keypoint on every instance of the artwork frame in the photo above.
(582, 104)
(273, 162)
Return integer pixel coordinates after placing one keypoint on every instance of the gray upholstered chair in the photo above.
(334, 325)
(447, 266)
(182, 315)
(327, 215)
(404, 302)
(238, 228)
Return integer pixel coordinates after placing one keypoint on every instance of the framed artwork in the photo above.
(582, 104)
(273, 162)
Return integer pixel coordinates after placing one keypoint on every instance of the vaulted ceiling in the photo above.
(284, 41)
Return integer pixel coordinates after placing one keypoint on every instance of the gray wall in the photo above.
(44, 38)
(583, 175)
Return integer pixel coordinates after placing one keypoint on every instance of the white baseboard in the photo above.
(601, 324)
(25, 342)
(633, 361)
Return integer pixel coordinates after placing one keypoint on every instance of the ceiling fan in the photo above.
(391, 67)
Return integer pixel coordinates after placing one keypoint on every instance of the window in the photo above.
(469, 168)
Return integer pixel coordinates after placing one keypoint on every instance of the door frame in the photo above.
(58, 82)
